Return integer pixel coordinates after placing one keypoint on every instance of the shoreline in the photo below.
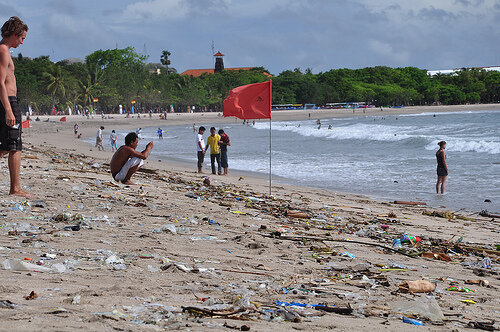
(121, 122)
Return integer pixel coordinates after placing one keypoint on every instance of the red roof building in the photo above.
(199, 72)
(219, 66)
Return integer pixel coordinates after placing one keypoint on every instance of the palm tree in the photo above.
(55, 83)
(86, 93)
(165, 60)
(87, 89)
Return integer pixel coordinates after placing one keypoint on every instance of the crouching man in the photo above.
(127, 160)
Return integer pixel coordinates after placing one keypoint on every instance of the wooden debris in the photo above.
(409, 203)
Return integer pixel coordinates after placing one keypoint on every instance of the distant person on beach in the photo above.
(98, 139)
(127, 160)
(442, 167)
(160, 133)
(139, 132)
(113, 139)
(224, 143)
(13, 34)
(200, 146)
(213, 143)
(75, 128)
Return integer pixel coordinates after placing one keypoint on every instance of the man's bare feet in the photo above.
(129, 183)
(21, 193)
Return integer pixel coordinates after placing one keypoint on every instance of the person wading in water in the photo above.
(442, 167)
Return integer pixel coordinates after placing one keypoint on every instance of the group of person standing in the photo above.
(218, 143)
(99, 140)
(127, 160)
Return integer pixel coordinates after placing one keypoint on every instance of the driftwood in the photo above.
(489, 215)
(212, 313)
(409, 203)
(246, 272)
(317, 238)
(470, 248)
(341, 311)
(439, 256)
(296, 214)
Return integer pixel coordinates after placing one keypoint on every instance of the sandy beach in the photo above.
(171, 253)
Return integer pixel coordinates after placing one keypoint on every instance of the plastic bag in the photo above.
(17, 265)
(426, 307)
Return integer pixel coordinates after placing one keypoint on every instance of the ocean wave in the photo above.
(446, 113)
(361, 131)
(462, 145)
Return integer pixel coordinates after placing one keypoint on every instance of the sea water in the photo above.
(385, 157)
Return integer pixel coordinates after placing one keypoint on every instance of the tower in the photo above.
(219, 62)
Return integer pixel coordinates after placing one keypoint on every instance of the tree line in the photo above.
(118, 76)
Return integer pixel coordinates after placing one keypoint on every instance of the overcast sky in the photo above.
(275, 34)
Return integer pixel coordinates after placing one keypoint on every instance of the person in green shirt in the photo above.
(213, 143)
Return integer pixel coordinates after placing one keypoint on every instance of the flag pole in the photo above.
(270, 136)
(270, 156)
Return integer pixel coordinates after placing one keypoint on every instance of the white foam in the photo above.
(359, 131)
(446, 113)
(462, 145)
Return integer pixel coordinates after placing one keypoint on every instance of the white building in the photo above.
(452, 71)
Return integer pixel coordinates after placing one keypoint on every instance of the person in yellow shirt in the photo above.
(213, 143)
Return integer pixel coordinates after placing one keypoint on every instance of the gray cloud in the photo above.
(7, 11)
(63, 6)
(207, 7)
(468, 3)
(432, 13)
(276, 34)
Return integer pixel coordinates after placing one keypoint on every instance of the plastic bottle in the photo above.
(396, 244)
(412, 321)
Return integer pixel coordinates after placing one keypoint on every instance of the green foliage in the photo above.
(120, 75)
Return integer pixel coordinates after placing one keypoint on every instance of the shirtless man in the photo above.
(127, 160)
(13, 34)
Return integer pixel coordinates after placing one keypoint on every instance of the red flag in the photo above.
(63, 119)
(252, 101)
(25, 124)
